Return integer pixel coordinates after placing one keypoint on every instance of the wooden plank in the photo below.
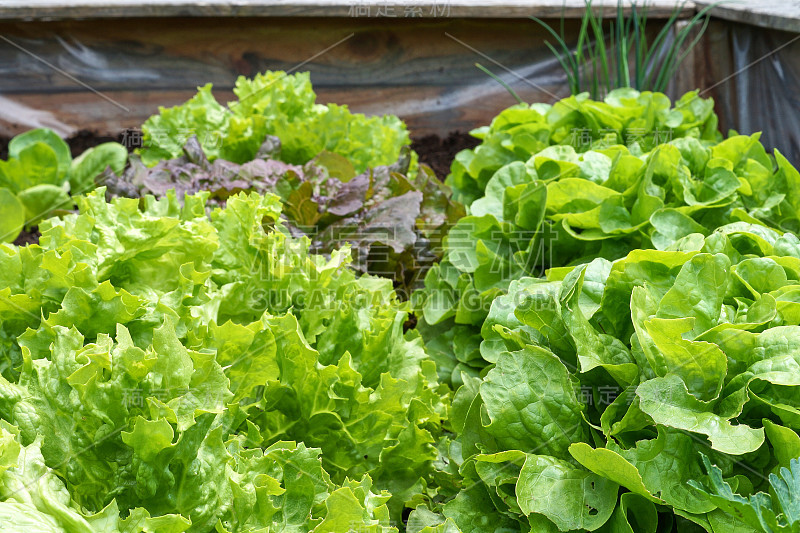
(422, 70)
(426, 110)
(83, 9)
(170, 54)
(781, 15)
(688, 75)
(753, 76)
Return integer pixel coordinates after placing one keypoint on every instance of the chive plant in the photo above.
(620, 53)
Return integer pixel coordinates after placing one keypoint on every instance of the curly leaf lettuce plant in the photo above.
(393, 223)
(609, 380)
(279, 104)
(163, 370)
(37, 179)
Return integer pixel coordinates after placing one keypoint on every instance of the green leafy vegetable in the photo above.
(638, 120)
(205, 374)
(608, 382)
(13, 215)
(40, 174)
(563, 207)
(279, 104)
(93, 162)
(779, 512)
(393, 223)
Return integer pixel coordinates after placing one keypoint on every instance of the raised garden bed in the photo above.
(261, 310)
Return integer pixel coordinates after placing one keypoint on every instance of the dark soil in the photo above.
(438, 153)
(84, 139)
(79, 142)
(28, 237)
(410, 323)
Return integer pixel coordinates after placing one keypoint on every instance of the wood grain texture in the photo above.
(62, 9)
(168, 54)
(406, 67)
(781, 15)
(425, 111)
(422, 70)
(754, 77)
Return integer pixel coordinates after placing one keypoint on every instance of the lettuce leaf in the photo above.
(640, 121)
(563, 207)
(393, 223)
(40, 176)
(212, 369)
(279, 104)
(638, 374)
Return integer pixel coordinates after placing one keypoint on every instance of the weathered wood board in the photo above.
(487, 9)
(423, 70)
(754, 77)
(370, 54)
(420, 69)
(781, 15)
